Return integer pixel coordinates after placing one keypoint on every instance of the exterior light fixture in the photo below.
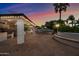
(57, 25)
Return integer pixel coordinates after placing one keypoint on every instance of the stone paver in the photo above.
(39, 44)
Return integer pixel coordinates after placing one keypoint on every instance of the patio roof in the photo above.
(18, 14)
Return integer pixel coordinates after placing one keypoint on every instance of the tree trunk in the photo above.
(59, 15)
(72, 23)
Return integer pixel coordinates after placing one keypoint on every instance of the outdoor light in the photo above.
(9, 20)
(57, 25)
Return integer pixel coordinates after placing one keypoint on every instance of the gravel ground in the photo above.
(39, 44)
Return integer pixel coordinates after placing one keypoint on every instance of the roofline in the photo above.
(17, 14)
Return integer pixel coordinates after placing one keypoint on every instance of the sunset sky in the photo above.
(39, 13)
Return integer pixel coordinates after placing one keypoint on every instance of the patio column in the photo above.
(20, 31)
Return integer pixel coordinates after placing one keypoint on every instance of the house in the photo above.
(11, 19)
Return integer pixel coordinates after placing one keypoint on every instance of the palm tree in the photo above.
(71, 18)
(59, 7)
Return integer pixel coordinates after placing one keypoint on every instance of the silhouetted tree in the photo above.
(50, 24)
(71, 18)
(59, 7)
(78, 22)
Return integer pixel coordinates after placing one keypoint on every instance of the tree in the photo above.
(37, 27)
(59, 7)
(78, 22)
(71, 18)
(50, 24)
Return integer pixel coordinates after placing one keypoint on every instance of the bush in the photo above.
(68, 29)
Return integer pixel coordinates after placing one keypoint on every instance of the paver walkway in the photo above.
(39, 44)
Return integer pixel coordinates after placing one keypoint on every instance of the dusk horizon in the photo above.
(39, 13)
